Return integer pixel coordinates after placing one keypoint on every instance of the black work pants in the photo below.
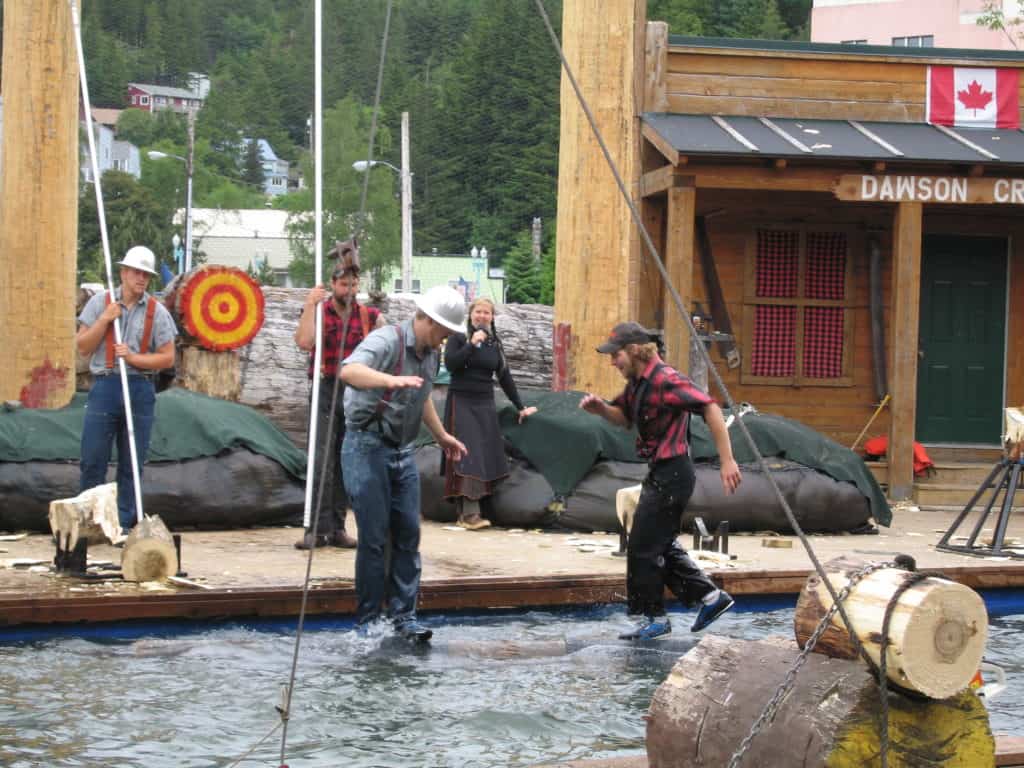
(654, 558)
(335, 500)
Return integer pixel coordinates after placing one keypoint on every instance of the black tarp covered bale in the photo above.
(237, 488)
(523, 500)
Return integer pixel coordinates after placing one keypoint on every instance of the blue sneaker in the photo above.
(648, 629)
(708, 613)
(414, 632)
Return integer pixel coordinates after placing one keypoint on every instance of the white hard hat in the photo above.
(443, 305)
(141, 258)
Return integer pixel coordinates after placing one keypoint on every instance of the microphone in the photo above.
(486, 336)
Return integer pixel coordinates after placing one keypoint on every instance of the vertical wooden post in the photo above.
(906, 296)
(38, 203)
(596, 282)
(679, 248)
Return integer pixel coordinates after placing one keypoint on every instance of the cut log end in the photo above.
(937, 632)
(149, 553)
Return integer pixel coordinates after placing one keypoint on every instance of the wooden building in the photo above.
(819, 185)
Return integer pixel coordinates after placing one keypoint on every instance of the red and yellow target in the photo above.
(221, 307)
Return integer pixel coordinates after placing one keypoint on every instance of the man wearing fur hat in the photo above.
(346, 323)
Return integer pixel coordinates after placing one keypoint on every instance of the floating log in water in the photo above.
(149, 553)
(937, 632)
(702, 712)
(91, 515)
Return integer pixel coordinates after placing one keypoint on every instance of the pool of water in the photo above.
(158, 696)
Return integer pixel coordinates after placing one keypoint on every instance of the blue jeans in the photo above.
(383, 488)
(104, 424)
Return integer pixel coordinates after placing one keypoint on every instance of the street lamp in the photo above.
(362, 166)
(157, 155)
(479, 258)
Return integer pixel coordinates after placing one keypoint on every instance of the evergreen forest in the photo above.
(479, 78)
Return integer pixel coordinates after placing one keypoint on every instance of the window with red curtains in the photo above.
(797, 307)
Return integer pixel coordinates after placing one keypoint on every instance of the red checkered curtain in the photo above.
(777, 276)
(823, 326)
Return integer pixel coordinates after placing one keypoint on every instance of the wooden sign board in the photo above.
(929, 189)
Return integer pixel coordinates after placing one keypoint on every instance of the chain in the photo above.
(771, 708)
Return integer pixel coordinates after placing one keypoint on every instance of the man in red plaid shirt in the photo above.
(346, 324)
(658, 400)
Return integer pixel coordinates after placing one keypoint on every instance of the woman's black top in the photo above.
(473, 368)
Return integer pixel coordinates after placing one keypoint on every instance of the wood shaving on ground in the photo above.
(13, 536)
(452, 528)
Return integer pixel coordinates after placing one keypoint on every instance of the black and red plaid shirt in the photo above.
(660, 402)
(333, 331)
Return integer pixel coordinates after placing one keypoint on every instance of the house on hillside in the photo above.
(468, 276)
(111, 154)
(909, 23)
(155, 98)
(851, 214)
(247, 239)
(275, 170)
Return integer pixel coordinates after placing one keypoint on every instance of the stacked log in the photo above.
(273, 369)
(831, 716)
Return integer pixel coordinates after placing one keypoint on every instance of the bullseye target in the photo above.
(221, 307)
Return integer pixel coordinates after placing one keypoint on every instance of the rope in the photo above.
(244, 757)
(285, 710)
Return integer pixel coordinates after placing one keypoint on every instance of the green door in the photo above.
(962, 340)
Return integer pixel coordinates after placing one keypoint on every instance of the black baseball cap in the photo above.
(623, 334)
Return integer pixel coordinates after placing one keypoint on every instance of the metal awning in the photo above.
(777, 137)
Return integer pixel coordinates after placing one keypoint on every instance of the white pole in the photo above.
(188, 193)
(406, 208)
(129, 421)
(318, 229)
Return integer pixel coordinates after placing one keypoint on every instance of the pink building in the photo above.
(911, 23)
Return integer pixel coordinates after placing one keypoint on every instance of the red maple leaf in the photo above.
(974, 97)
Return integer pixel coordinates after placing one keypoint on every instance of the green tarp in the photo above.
(187, 426)
(563, 443)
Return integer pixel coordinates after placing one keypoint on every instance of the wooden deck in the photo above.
(258, 572)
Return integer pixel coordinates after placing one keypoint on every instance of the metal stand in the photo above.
(1008, 472)
(69, 559)
(705, 542)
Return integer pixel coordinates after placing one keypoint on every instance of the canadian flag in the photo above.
(972, 97)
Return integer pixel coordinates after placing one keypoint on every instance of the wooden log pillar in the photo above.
(705, 708)
(38, 203)
(678, 255)
(596, 281)
(905, 314)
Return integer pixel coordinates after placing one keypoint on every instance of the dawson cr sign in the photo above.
(929, 189)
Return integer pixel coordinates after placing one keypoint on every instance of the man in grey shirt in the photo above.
(147, 346)
(389, 377)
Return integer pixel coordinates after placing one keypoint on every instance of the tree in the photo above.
(346, 129)
(522, 271)
(993, 17)
(252, 164)
(547, 278)
(134, 216)
(262, 272)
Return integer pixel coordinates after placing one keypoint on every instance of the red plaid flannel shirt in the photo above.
(667, 398)
(333, 331)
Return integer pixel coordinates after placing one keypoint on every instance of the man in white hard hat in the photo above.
(147, 336)
(389, 377)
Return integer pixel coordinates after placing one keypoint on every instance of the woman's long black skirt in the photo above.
(473, 418)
